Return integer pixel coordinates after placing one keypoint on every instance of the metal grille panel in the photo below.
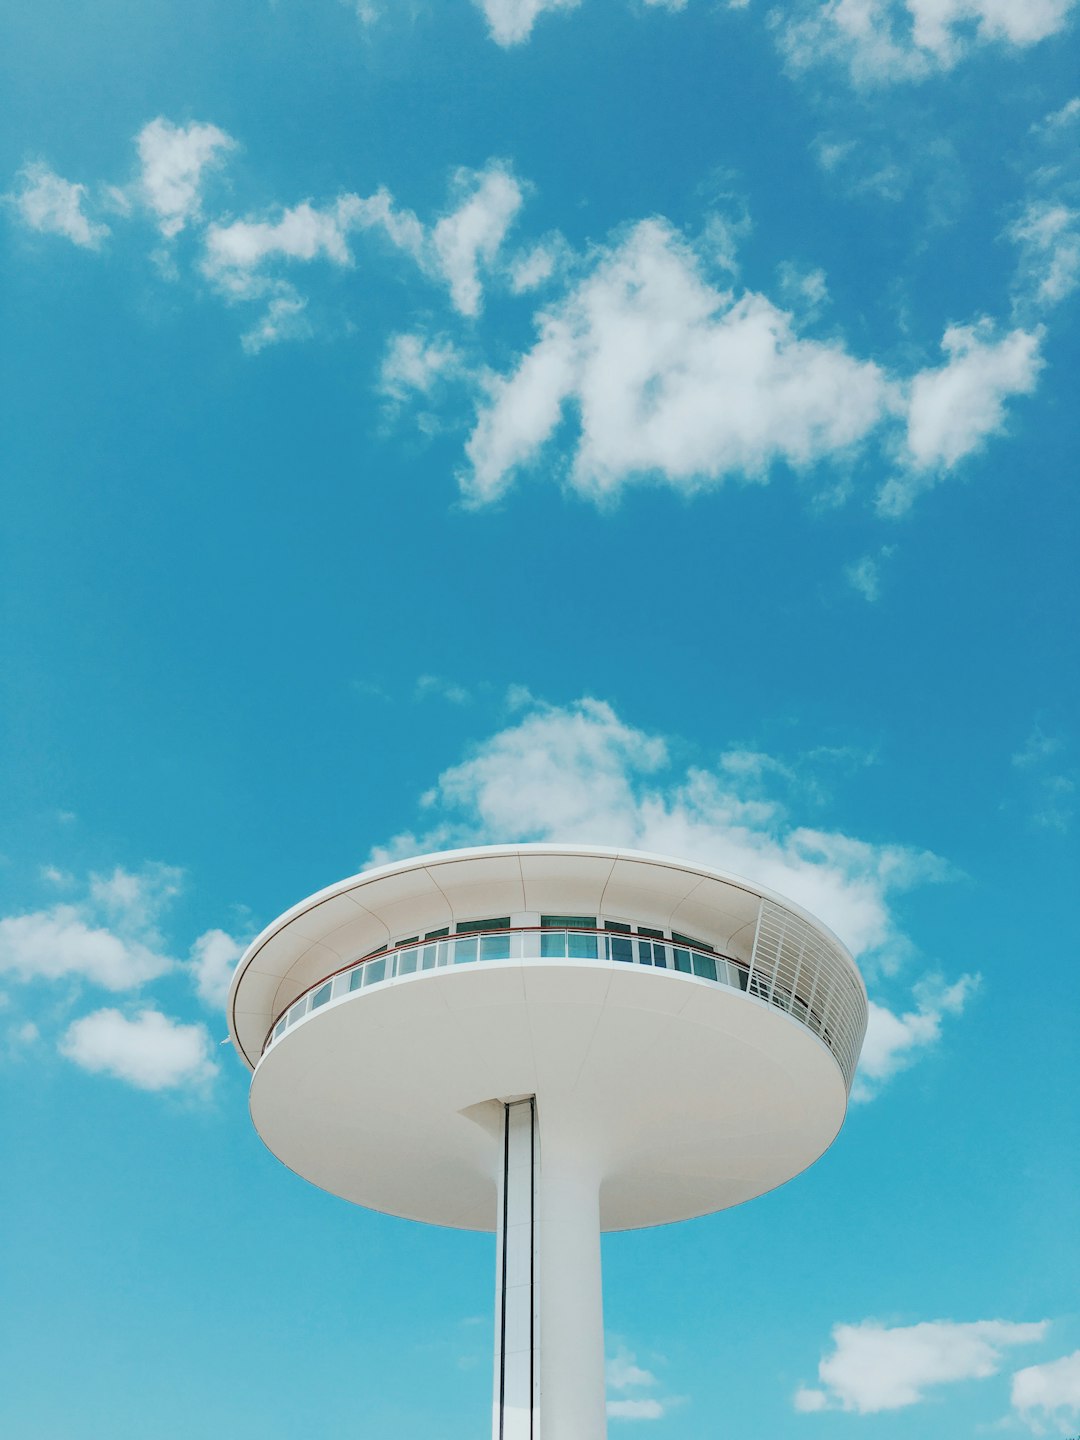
(797, 969)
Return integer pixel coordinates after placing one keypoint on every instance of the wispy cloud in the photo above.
(864, 574)
(48, 203)
(1049, 781)
(896, 1041)
(429, 686)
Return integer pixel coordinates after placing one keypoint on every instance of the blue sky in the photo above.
(630, 422)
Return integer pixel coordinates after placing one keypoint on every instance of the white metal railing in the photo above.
(792, 969)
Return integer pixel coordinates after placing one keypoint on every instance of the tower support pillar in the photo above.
(549, 1322)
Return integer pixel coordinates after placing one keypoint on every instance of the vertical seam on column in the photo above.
(532, 1267)
(502, 1302)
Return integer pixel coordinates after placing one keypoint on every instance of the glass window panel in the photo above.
(437, 934)
(620, 947)
(429, 957)
(406, 963)
(581, 947)
(296, 1012)
(568, 922)
(464, 950)
(279, 1028)
(502, 922)
(553, 945)
(618, 926)
(645, 952)
(660, 955)
(374, 971)
(689, 940)
(322, 995)
(656, 934)
(495, 947)
(356, 979)
(682, 961)
(705, 967)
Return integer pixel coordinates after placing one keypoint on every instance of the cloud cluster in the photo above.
(109, 937)
(875, 1367)
(625, 1377)
(885, 41)
(250, 257)
(650, 364)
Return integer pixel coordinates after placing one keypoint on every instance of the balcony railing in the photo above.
(818, 1002)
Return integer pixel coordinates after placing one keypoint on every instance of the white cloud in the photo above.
(882, 41)
(650, 1409)
(673, 379)
(239, 255)
(874, 1367)
(580, 773)
(235, 251)
(151, 1051)
(953, 409)
(1068, 114)
(213, 960)
(173, 161)
(806, 291)
(49, 203)
(57, 943)
(134, 900)
(893, 1042)
(536, 265)
(511, 21)
(471, 235)
(110, 938)
(1048, 236)
(624, 1373)
(414, 363)
(285, 318)
(1049, 1394)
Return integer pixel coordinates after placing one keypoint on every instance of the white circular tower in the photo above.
(547, 1041)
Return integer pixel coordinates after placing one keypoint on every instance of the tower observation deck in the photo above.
(547, 1041)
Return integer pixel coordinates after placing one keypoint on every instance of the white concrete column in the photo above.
(514, 1410)
(571, 1301)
